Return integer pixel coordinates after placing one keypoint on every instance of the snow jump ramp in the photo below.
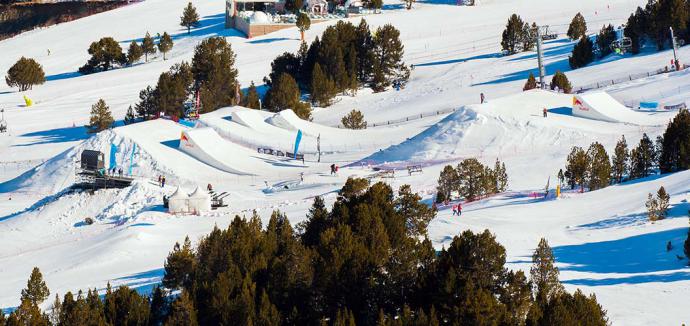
(207, 146)
(601, 106)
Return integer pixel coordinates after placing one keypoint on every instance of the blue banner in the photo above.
(113, 159)
(297, 141)
(131, 159)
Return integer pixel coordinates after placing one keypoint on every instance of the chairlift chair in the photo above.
(546, 36)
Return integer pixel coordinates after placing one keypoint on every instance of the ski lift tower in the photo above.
(540, 58)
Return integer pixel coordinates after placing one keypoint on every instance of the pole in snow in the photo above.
(674, 45)
(540, 59)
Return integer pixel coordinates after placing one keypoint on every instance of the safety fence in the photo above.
(407, 118)
(611, 82)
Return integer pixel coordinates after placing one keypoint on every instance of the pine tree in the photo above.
(159, 306)
(514, 35)
(354, 120)
(531, 83)
(663, 202)
(182, 312)
(652, 205)
(642, 158)
(147, 106)
(129, 116)
(303, 24)
(583, 53)
(101, 118)
(560, 81)
(105, 54)
(606, 37)
(469, 175)
(284, 95)
(27, 314)
(544, 273)
(24, 74)
(675, 152)
(501, 176)
(529, 40)
(190, 18)
(577, 28)
(599, 169)
(148, 46)
(576, 168)
(165, 44)
(215, 75)
(447, 183)
(686, 245)
(388, 53)
(173, 89)
(134, 53)
(364, 46)
(252, 100)
(323, 88)
(621, 158)
(179, 266)
(36, 290)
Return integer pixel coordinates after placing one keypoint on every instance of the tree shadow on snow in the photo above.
(53, 136)
(460, 60)
(678, 210)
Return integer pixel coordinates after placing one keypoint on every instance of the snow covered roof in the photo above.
(179, 194)
(198, 193)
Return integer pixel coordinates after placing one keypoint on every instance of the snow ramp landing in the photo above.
(601, 106)
(207, 146)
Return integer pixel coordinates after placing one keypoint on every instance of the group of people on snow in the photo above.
(161, 181)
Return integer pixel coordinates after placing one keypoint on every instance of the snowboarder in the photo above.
(481, 97)
(459, 209)
(545, 112)
(455, 209)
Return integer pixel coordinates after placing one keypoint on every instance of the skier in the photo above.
(545, 112)
(455, 209)
(481, 96)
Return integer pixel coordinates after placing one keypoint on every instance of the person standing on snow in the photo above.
(481, 97)
(163, 182)
(455, 209)
(545, 112)
(459, 209)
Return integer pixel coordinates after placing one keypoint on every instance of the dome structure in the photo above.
(259, 17)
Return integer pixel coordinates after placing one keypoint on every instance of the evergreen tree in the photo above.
(303, 24)
(190, 18)
(364, 45)
(635, 29)
(173, 89)
(675, 152)
(469, 177)
(573, 309)
(147, 106)
(252, 100)
(516, 296)
(530, 39)
(134, 53)
(604, 40)
(599, 169)
(354, 120)
(285, 95)
(179, 266)
(560, 81)
(531, 83)
(652, 205)
(129, 116)
(501, 176)
(576, 168)
(514, 35)
(159, 306)
(294, 6)
(621, 159)
(28, 314)
(577, 28)
(215, 76)
(665, 14)
(317, 222)
(663, 201)
(148, 46)
(101, 118)
(447, 183)
(182, 312)
(165, 44)
(105, 54)
(24, 74)
(36, 290)
(125, 306)
(323, 88)
(583, 53)
(544, 273)
(642, 158)
(388, 53)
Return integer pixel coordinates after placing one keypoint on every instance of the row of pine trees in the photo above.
(595, 169)
(471, 180)
(366, 261)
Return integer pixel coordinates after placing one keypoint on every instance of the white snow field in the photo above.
(602, 239)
